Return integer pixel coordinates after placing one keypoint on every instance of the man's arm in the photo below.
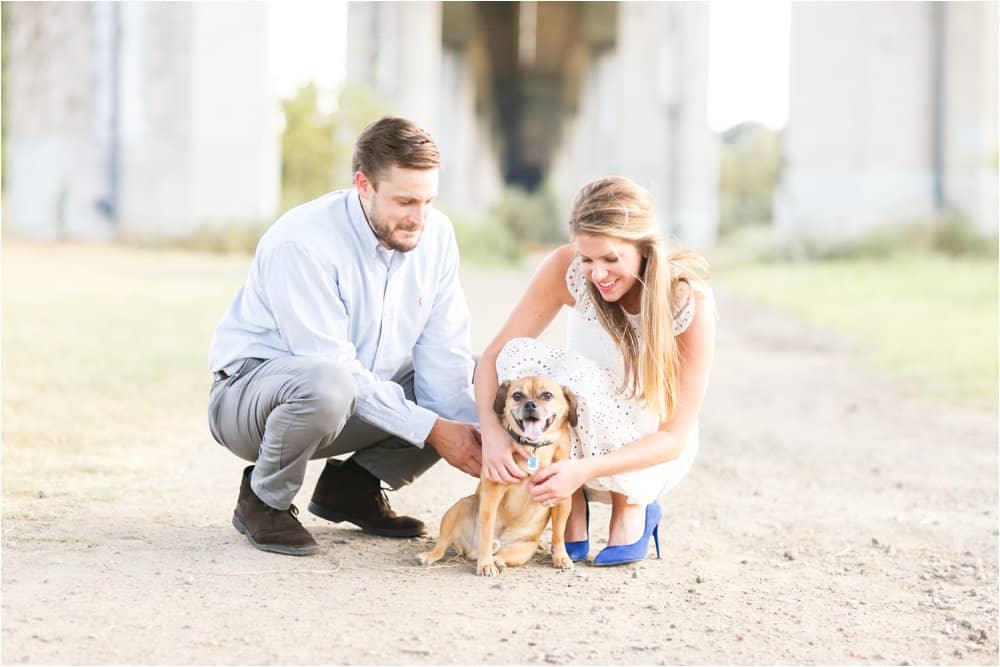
(313, 322)
(442, 364)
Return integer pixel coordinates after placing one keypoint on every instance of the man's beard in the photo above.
(383, 232)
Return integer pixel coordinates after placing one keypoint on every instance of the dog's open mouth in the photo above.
(532, 429)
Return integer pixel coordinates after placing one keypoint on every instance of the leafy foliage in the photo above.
(949, 234)
(307, 148)
(748, 176)
(316, 146)
(485, 244)
(529, 217)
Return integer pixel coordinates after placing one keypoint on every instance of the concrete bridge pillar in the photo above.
(552, 93)
(400, 51)
(57, 125)
(396, 48)
(970, 114)
(642, 113)
(892, 116)
(137, 119)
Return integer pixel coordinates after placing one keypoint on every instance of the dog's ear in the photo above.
(571, 404)
(501, 400)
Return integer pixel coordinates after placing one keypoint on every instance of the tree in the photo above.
(307, 148)
(748, 176)
(357, 107)
(316, 147)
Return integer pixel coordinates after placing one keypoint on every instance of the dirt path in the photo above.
(827, 520)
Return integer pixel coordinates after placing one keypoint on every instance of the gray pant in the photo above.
(284, 412)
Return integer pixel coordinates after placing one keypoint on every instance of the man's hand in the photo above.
(459, 444)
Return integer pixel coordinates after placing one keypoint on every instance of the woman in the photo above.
(640, 343)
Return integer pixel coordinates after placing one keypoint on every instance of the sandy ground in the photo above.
(828, 519)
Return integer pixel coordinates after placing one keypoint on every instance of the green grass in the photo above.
(104, 357)
(929, 318)
(104, 348)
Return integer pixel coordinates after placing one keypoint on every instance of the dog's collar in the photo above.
(527, 443)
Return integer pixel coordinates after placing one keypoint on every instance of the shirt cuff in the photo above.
(420, 427)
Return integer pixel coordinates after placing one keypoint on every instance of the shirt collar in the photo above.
(359, 222)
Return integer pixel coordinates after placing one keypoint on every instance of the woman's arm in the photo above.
(545, 295)
(697, 348)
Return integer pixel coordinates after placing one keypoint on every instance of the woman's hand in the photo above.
(557, 482)
(498, 458)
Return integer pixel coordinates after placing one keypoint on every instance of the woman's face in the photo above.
(613, 266)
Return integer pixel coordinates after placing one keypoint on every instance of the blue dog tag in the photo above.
(533, 463)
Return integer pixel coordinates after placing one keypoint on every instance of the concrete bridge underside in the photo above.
(150, 119)
(555, 93)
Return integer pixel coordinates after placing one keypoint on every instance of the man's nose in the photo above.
(419, 213)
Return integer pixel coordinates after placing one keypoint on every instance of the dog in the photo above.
(500, 525)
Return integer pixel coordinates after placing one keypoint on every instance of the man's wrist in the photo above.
(434, 435)
(420, 424)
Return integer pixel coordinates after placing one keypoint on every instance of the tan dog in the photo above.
(500, 525)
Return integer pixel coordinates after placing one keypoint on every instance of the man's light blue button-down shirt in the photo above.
(321, 285)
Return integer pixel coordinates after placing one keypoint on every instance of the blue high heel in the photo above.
(578, 550)
(630, 553)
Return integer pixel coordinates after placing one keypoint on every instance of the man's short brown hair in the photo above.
(394, 141)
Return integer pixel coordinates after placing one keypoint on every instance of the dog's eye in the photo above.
(518, 396)
(546, 396)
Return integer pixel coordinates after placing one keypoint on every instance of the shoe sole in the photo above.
(273, 548)
(617, 563)
(337, 517)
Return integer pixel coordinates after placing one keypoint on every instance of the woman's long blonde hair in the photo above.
(616, 207)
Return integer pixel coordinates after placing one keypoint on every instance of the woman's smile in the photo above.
(608, 285)
(611, 264)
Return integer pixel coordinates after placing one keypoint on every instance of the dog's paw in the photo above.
(562, 561)
(487, 569)
(427, 558)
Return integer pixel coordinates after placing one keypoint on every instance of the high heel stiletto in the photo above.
(630, 553)
(578, 550)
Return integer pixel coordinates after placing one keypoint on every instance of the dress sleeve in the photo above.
(683, 307)
(577, 284)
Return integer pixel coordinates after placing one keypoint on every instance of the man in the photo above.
(350, 334)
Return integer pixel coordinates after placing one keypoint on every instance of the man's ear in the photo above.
(571, 403)
(501, 400)
(364, 185)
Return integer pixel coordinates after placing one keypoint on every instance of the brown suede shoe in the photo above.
(270, 529)
(347, 492)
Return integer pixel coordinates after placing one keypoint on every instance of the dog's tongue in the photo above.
(533, 430)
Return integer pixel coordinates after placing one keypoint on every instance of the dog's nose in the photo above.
(530, 405)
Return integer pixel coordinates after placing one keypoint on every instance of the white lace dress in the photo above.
(592, 368)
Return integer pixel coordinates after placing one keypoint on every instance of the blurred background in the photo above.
(818, 122)
(838, 161)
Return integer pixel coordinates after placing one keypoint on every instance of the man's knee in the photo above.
(330, 392)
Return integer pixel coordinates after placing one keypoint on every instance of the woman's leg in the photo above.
(576, 527)
(627, 521)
